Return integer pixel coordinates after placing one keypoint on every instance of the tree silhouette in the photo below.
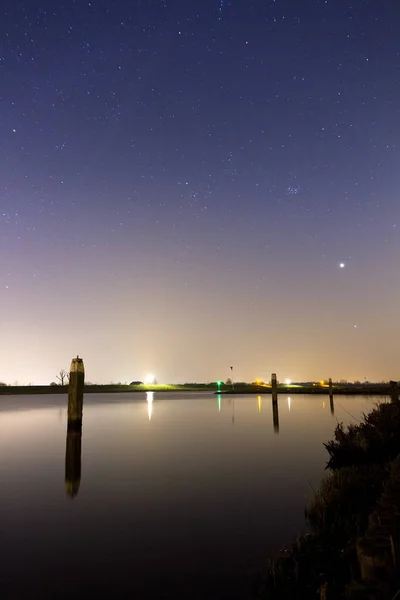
(63, 376)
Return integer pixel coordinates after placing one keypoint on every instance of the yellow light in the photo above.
(259, 403)
(288, 381)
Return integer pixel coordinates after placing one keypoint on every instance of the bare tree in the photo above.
(63, 376)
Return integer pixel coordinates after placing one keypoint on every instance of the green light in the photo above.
(219, 383)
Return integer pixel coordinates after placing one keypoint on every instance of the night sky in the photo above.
(187, 185)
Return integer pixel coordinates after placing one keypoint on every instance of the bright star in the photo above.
(342, 265)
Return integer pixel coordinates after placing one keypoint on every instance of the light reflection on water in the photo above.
(149, 398)
(198, 489)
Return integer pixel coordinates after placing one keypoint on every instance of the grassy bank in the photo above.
(99, 389)
(352, 549)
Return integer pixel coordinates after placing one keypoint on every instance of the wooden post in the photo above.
(275, 416)
(330, 387)
(274, 388)
(394, 391)
(75, 393)
(73, 452)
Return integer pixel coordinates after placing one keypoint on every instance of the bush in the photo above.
(345, 497)
(375, 440)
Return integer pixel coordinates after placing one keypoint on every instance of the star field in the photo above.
(180, 181)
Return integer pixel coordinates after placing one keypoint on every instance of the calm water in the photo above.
(185, 496)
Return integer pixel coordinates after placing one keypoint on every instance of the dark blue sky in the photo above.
(180, 181)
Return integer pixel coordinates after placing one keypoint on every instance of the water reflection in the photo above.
(259, 403)
(149, 398)
(332, 405)
(289, 402)
(73, 454)
(275, 416)
(219, 402)
(139, 486)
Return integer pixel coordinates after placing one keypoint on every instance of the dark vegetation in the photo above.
(352, 549)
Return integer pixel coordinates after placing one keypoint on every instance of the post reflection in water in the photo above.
(275, 416)
(259, 403)
(332, 405)
(149, 398)
(73, 456)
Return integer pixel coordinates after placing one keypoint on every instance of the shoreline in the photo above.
(378, 389)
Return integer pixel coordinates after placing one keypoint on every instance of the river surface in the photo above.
(178, 496)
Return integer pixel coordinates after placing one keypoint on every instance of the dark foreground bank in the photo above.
(353, 548)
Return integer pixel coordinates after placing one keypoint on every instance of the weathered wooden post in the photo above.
(330, 387)
(274, 388)
(73, 453)
(75, 393)
(394, 391)
(275, 416)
